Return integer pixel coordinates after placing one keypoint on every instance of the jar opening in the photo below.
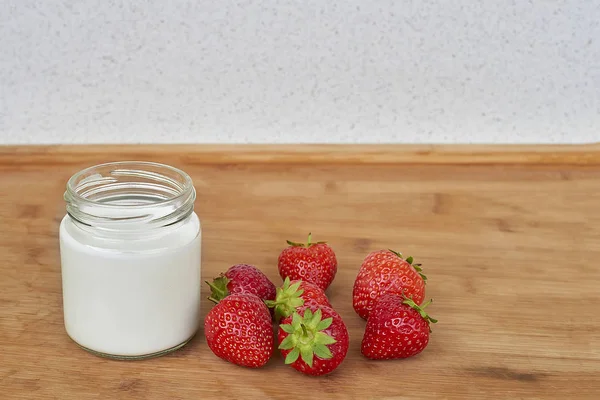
(129, 195)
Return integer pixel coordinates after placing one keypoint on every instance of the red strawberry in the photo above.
(397, 328)
(311, 262)
(242, 278)
(385, 271)
(239, 330)
(314, 340)
(294, 294)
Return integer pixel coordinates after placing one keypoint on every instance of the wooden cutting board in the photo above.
(508, 236)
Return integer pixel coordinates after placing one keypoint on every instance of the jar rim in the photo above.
(129, 196)
(72, 186)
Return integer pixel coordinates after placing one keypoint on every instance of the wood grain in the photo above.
(508, 237)
(308, 154)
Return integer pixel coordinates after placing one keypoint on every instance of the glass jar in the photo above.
(130, 246)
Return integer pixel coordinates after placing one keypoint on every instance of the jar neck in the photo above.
(128, 198)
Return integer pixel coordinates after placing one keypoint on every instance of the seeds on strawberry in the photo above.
(314, 340)
(242, 278)
(311, 262)
(239, 330)
(396, 328)
(386, 271)
(294, 294)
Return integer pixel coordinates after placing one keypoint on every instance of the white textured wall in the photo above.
(299, 71)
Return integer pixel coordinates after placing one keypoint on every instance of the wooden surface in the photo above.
(510, 242)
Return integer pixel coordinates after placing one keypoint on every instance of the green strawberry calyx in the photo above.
(410, 260)
(218, 289)
(288, 297)
(305, 338)
(420, 309)
(307, 244)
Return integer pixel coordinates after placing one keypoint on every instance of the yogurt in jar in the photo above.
(130, 249)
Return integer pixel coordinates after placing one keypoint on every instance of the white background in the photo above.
(300, 71)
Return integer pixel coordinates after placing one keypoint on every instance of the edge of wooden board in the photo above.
(580, 154)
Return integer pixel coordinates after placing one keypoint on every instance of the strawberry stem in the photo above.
(304, 331)
(308, 242)
(218, 289)
(410, 260)
(397, 253)
(305, 338)
(421, 310)
(288, 297)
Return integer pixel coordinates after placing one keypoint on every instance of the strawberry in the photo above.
(386, 271)
(242, 278)
(238, 329)
(396, 328)
(314, 340)
(311, 262)
(294, 294)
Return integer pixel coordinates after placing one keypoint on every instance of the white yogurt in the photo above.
(131, 289)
